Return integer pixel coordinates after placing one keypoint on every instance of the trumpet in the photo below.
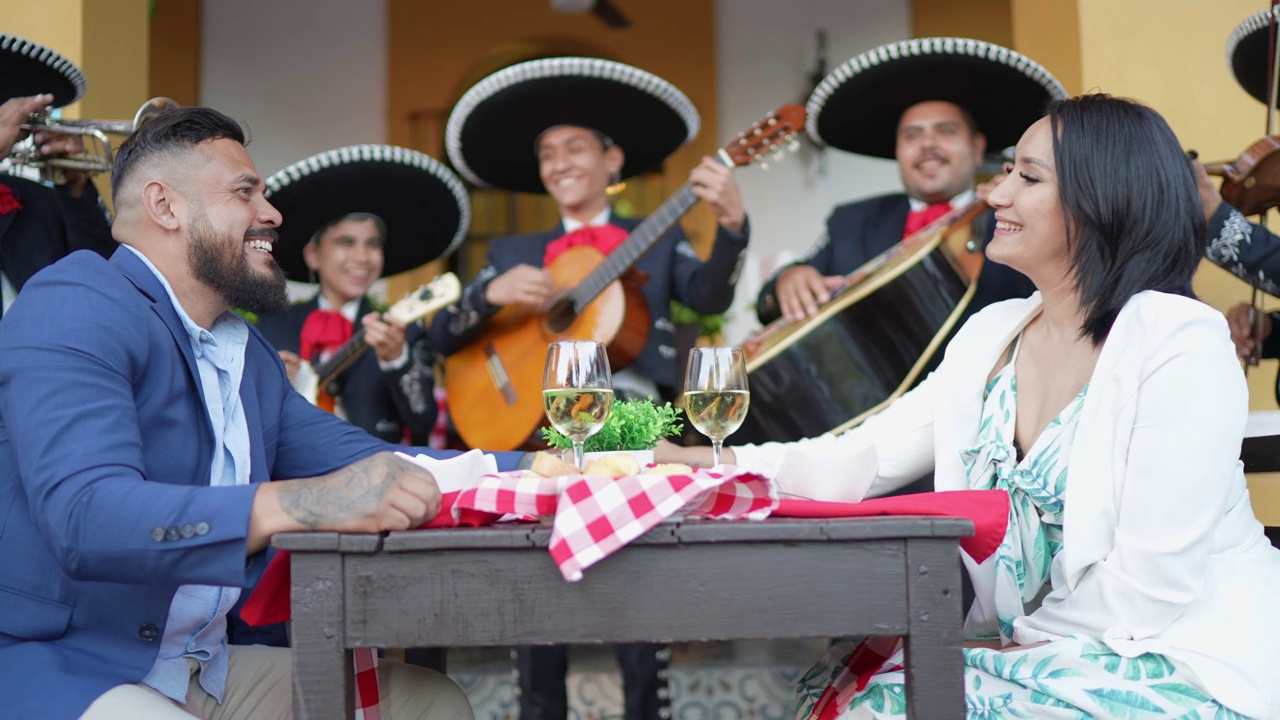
(96, 153)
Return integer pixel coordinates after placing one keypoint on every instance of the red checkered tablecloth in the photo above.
(595, 516)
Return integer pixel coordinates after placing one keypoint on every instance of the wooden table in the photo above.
(698, 580)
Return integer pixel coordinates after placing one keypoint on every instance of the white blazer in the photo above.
(1161, 550)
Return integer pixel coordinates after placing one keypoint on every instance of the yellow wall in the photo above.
(1049, 33)
(988, 20)
(175, 51)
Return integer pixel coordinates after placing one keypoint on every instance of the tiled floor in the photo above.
(708, 681)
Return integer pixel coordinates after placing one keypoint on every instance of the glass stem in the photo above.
(715, 452)
(577, 453)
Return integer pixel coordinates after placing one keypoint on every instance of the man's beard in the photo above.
(219, 261)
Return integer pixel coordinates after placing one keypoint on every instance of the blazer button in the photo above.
(157, 534)
(148, 632)
(202, 528)
(173, 533)
(188, 530)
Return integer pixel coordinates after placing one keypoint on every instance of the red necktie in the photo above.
(323, 330)
(604, 238)
(917, 219)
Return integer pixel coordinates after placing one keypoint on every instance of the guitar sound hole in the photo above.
(561, 315)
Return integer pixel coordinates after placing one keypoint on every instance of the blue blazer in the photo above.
(105, 452)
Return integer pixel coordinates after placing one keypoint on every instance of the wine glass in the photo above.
(715, 393)
(577, 390)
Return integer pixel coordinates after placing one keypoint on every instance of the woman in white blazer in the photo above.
(1134, 580)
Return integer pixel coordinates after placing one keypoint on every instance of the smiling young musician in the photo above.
(354, 215)
(571, 127)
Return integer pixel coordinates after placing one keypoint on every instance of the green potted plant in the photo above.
(633, 425)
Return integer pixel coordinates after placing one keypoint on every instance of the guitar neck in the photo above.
(640, 240)
(330, 369)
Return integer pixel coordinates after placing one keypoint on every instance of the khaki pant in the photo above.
(260, 686)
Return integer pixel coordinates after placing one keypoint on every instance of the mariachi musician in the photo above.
(934, 105)
(571, 127)
(39, 225)
(353, 215)
(1248, 250)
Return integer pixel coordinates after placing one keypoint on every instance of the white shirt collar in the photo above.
(348, 309)
(958, 201)
(600, 219)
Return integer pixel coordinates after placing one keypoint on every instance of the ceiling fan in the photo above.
(603, 9)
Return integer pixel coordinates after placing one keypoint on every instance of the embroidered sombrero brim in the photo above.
(491, 132)
(857, 107)
(28, 68)
(423, 203)
(1248, 52)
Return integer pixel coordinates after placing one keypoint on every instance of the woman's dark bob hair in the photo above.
(1129, 198)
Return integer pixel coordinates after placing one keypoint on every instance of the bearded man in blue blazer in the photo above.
(140, 421)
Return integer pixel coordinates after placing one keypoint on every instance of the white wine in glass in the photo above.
(716, 397)
(577, 390)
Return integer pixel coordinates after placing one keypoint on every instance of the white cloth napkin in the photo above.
(455, 473)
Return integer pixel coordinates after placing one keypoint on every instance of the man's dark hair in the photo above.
(1128, 195)
(176, 130)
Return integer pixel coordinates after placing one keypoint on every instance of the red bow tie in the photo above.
(917, 219)
(8, 201)
(604, 238)
(323, 330)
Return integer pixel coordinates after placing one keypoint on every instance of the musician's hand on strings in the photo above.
(13, 113)
(291, 363)
(714, 184)
(521, 285)
(801, 289)
(1242, 331)
(1210, 197)
(385, 335)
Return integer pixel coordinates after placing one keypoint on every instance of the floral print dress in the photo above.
(1074, 677)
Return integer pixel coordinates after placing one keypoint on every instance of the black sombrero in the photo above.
(1248, 50)
(422, 202)
(28, 68)
(491, 132)
(857, 107)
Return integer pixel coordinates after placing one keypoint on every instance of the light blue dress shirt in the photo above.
(197, 624)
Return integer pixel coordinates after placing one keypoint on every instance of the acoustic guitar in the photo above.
(318, 384)
(495, 383)
(867, 344)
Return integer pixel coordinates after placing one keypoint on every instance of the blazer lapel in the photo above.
(146, 282)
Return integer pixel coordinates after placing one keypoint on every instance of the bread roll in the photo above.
(548, 465)
(614, 465)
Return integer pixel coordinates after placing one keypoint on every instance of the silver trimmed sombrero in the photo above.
(424, 204)
(1247, 52)
(857, 107)
(29, 68)
(491, 132)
